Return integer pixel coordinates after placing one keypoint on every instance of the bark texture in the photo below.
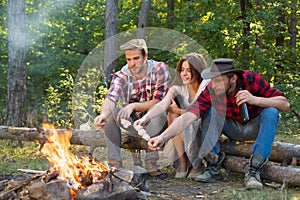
(17, 72)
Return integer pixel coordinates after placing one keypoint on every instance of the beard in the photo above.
(231, 90)
(139, 69)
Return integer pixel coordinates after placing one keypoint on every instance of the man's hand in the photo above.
(156, 143)
(125, 112)
(244, 96)
(100, 122)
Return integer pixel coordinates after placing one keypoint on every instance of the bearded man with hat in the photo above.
(219, 107)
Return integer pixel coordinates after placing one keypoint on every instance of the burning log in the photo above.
(270, 172)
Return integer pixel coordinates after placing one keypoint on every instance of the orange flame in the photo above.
(69, 166)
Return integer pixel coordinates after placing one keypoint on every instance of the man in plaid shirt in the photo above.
(219, 107)
(139, 85)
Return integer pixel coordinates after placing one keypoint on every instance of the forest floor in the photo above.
(230, 188)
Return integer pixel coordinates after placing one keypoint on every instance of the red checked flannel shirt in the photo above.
(252, 82)
(152, 87)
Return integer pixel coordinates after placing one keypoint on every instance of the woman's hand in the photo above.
(174, 108)
(141, 122)
(156, 143)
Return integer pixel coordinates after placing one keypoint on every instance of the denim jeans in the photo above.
(262, 129)
(113, 138)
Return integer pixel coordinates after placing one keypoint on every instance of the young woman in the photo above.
(187, 86)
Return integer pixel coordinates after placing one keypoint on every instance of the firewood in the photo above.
(3, 184)
(49, 177)
(18, 186)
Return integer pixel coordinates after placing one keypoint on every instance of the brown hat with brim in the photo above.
(220, 66)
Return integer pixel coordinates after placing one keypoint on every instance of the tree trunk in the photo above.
(245, 5)
(171, 7)
(143, 18)
(258, 40)
(280, 20)
(270, 172)
(293, 24)
(17, 72)
(111, 45)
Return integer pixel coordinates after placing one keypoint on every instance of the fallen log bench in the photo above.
(284, 153)
(287, 176)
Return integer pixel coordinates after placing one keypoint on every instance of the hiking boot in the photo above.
(213, 170)
(114, 163)
(153, 169)
(252, 178)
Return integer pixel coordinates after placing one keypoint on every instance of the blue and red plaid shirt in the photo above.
(152, 87)
(251, 81)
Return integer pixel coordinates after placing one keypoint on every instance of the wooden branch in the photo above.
(271, 172)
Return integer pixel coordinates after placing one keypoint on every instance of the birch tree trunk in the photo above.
(17, 72)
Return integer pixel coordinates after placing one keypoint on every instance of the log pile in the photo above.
(282, 168)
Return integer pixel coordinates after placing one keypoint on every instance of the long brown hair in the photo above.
(197, 64)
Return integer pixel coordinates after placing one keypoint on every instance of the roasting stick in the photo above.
(31, 171)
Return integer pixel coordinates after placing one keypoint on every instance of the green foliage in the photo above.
(58, 102)
(62, 106)
(61, 34)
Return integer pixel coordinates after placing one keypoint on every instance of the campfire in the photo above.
(73, 177)
(77, 172)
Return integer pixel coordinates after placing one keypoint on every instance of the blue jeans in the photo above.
(262, 129)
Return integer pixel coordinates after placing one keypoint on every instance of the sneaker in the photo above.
(210, 174)
(153, 169)
(252, 181)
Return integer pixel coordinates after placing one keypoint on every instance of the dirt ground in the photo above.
(231, 187)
